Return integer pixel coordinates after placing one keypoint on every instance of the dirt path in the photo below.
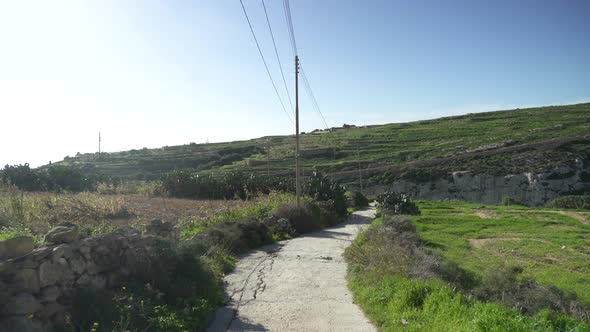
(578, 216)
(295, 285)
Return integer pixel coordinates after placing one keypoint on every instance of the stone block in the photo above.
(21, 304)
(49, 294)
(16, 247)
(51, 273)
(26, 280)
(65, 233)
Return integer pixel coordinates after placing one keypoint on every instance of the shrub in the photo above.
(321, 188)
(236, 236)
(396, 203)
(571, 202)
(176, 293)
(392, 247)
(188, 184)
(303, 220)
(52, 178)
(10, 232)
(508, 200)
(21, 176)
(359, 200)
(502, 286)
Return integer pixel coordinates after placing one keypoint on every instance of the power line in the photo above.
(310, 93)
(290, 26)
(277, 54)
(314, 102)
(264, 61)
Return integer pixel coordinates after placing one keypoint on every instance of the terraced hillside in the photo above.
(501, 142)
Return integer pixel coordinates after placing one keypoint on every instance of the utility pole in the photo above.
(267, 158)
(358, 154)
(297, 165)
(99, 141)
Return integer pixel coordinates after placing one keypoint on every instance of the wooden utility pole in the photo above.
(297, 165)
(358, 155)
(267, 158)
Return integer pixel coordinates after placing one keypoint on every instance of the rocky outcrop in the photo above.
(530, 189)
(64, 233)
(36, 289)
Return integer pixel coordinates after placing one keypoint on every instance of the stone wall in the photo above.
(531, 189)
(37, 289)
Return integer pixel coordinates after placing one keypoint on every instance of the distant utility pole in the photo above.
(99, 141)
(267, 158)
(358, 154)
(297, 165)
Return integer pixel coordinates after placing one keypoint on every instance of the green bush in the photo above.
(571, 202)
(321, 188)
(21, 176)
(10, 232)
(303, 220)
(396, 203)
(508, 200)
(188, 184)
(236, 236)
(176, 292)
(52, 178)
(359, 200)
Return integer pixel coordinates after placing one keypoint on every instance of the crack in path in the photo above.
(297, 285)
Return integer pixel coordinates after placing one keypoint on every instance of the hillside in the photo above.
(501, 142)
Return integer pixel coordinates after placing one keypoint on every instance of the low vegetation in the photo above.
(571, 202)
(183, 284)
(396, 203)
(432, 273)
(357, 200)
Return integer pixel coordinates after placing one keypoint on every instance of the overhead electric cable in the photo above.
(277, 54)
(264, 61)
(311, 95)
(290, 26)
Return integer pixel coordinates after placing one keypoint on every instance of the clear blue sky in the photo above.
(155, 73)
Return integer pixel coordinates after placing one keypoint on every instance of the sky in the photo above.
(150, 73)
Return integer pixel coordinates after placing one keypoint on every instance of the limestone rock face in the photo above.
(531, 189)
(64, 233)
(16, 247)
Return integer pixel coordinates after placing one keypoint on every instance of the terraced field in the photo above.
(519, 140)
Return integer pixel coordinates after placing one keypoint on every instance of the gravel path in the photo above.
(295, 285)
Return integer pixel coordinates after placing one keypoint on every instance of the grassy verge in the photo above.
(401, 284)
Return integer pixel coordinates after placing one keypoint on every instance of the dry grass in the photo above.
(485, 214)
(96, 213)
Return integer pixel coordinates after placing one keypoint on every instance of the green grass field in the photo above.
(552, 246)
